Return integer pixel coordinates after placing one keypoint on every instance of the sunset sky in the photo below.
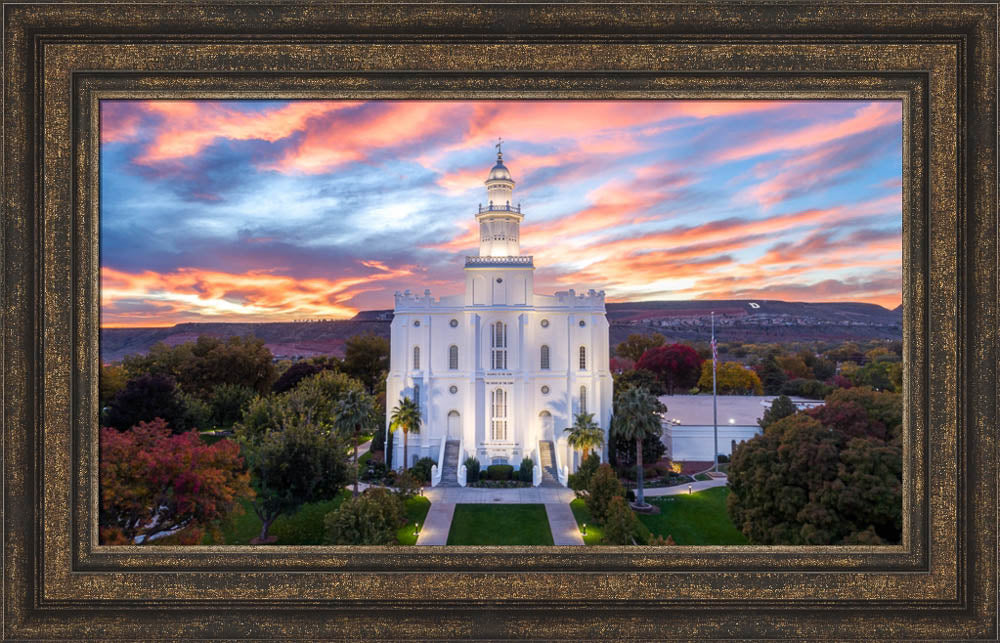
(282, 210)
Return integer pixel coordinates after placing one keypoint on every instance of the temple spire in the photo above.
(499, 150)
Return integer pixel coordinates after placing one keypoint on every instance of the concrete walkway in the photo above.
(697, 485)
(523, 496)
(437, 524)
(563, 525)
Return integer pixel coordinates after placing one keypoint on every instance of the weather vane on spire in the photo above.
(499, 151)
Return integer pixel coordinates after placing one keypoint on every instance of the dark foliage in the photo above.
(145, 398)
(677, 366)
(295, 374)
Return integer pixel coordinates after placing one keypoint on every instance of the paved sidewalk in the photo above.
(524, 496)
(697, 485)
(437, 524)
(563, 525)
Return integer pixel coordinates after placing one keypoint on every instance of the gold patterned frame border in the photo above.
(61, 60)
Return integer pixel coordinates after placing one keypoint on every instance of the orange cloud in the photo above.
(187, 127)
(222, 296)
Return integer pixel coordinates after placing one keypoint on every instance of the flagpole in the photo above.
(715, 406)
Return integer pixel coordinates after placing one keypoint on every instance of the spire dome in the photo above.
(499, 171)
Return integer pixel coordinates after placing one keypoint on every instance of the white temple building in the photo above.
(499, 371)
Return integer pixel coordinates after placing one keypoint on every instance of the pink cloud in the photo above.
(867, 118)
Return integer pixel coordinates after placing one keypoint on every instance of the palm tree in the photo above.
(636, 417)
(353, 409)
(405, 416)
(585, 434)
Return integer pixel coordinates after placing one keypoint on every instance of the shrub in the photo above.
(808, 388)
(375, 471)
(602, 488)
(620, 523)
(483, 476)
(580, 480)
(650, 472)
(660, 541)
(500, 471)
(421, 469)
(370, 519)
(526, 472)
(471, 470)
(407, 485)
(723, 457)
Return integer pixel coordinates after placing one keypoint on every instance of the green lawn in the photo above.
(416, 511)
(304, 527)
(477, 524)
(364, 458)
(699, 518)
(594, 532)
(702, 477)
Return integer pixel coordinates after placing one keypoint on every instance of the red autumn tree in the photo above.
(677, 366)
(153, 482)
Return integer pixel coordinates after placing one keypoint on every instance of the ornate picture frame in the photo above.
(62, 59)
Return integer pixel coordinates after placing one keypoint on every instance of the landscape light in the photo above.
(416, 529)
(689, 488)
(584, 529)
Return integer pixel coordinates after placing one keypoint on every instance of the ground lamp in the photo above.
(689, 488)
(584, 529)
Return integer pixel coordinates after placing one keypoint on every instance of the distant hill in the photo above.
(736, 320)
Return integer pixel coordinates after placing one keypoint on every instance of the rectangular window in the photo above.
(545, 358)
(583, 358)
(453, 358)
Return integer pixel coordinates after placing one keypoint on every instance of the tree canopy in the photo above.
(636, 344)
(366, 358)
(636, 417)
(146, 398)
(585, 434)
(198, 367)
(732, 378)
(153, 482)
(677, 366)
(832, 475)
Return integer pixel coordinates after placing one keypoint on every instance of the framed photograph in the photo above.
(433, 321)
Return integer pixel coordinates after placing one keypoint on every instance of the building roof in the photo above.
(499, 171)
(743, 410)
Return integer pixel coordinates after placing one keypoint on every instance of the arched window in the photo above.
(498, 403)
(498, 343)
(583, 399)
(453, 357)
(583, 358)
(416, 395)
(545, 357)
(416, 357)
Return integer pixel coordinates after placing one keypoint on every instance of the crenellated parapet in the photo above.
(591, 299)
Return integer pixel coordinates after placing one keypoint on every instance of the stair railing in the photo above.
(561, 471)
(462, 470)
(536, 471)
(438, 469)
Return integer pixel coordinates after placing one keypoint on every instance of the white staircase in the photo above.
(547, 454)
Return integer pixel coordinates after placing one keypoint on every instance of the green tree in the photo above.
(806, 482)
(354, 410)
(369, 519)
(406, 418)
(772, 376)
(636, 417)
(366, 358)
(585, 434)
(602, 487)
(580, 480)
(228, 402)
(198, 367)
(292, 465)
(638, 378)
(781, 407)
(636, 344)
(620, 523)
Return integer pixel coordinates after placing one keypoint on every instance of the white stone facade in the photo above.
(499, 368)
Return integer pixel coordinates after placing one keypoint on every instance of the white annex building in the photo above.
(499, 371)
